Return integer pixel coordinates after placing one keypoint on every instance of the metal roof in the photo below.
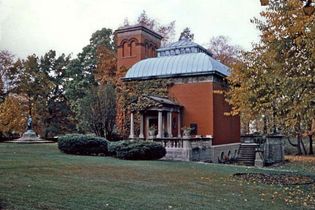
(189, 64)
(183, 46)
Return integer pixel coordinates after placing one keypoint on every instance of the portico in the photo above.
(160, 121)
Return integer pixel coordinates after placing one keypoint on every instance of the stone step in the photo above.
(247, 154)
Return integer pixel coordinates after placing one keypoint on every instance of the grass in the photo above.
(41, 177)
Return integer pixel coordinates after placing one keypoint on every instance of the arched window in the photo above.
(146, 50)
(153, 51)
(132, 48)
(149, 51)
(125, 49)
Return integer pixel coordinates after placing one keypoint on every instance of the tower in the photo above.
(135, 43)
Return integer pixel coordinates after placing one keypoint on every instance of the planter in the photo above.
(186, 133)
(152, 133)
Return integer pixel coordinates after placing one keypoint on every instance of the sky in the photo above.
(36, 26)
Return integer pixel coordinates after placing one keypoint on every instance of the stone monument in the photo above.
(29, 136)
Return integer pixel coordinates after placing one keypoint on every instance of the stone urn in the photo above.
(152, 131)
(186, 132)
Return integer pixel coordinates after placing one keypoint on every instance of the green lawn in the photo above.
(41, 177)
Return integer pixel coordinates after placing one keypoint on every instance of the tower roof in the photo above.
(136, 28)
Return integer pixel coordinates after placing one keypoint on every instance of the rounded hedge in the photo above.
(137, 150)
(83, 144)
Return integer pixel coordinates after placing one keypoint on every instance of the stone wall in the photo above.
(271, 146)
(224, 150)
(274, 149)
(178, 154)
(200, 150)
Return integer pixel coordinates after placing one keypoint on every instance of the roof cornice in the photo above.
(138, 28)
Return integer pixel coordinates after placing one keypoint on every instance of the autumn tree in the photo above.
(278, 78)
(106, 66)
(13, 114)
(231, 55)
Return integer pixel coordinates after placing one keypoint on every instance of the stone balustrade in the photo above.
(186, 149)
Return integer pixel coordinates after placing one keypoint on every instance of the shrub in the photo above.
(137, 150)
(83, 144)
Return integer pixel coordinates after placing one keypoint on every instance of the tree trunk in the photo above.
(310, 137)
(292, 144)
(303, 147)
(299, 139)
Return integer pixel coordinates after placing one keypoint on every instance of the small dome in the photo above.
(187, 64)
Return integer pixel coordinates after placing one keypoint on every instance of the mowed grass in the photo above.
(41, 177)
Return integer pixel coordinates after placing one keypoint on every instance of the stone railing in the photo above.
(270, 148)
(171, 142)
(186, 149)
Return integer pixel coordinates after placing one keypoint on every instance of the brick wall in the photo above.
(134, 44)
(206, 109)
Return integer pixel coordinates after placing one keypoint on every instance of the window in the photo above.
(193, 127)
(132, 48)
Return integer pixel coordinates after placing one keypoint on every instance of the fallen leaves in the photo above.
(294, 190)
(275, 179)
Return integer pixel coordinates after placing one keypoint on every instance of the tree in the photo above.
(167, 30)
(90, 69)
(97, 111)
(106, 66)
(13, 115)
(6, 63)
(232, 56)
(283, 59)
(224, 51)
(89, 58)
(186, 34)
(55, 113)
(30, 81)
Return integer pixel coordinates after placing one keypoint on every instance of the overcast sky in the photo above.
(36, 26)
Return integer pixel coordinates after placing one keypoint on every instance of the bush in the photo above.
(137, 150)
(83, 145)
(8, 136)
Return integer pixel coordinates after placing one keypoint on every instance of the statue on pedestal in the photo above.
(29, 122)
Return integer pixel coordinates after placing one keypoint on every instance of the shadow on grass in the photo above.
(2, 205)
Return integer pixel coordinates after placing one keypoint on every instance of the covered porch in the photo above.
(163, 120)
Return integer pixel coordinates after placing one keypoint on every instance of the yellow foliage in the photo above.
(12, 114)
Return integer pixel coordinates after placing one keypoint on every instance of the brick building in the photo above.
(194, 99)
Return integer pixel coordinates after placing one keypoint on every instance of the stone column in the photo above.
(160, 125)
(141, 136)
(178, 125)
(169, 124)
(132, 130)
